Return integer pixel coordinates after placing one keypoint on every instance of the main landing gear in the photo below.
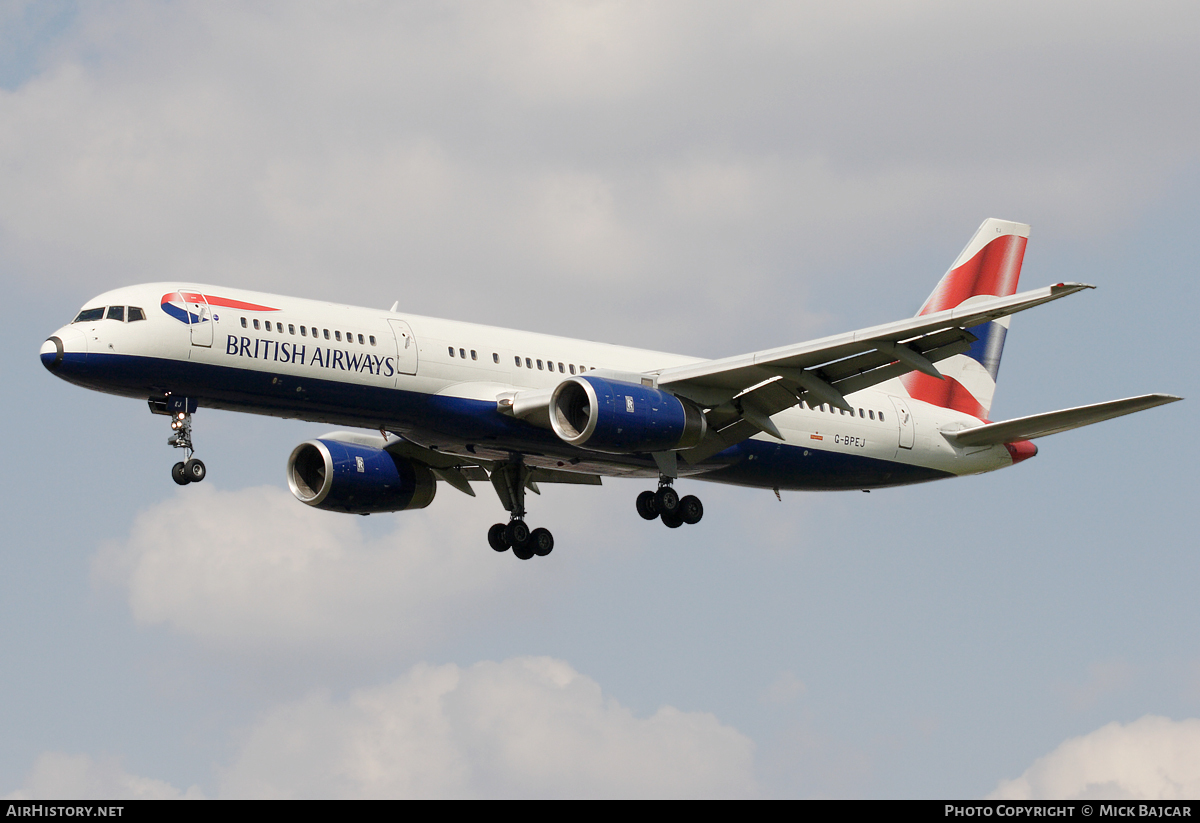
(190, 470)
(666, 505)
(510, 482)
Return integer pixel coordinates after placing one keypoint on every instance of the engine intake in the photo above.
(623, 418)
(347, 477)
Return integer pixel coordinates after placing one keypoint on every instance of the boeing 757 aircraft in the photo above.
(905, 402)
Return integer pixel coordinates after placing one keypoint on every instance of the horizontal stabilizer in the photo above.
(1040, 425)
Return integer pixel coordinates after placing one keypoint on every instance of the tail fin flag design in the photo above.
(989, 266)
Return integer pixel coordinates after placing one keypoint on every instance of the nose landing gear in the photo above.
(180, 409)
(185, 471)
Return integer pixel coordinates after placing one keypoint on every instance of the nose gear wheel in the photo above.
(191, 470)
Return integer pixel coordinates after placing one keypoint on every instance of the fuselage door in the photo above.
(907, 426)
(406, 347)
(199, 318)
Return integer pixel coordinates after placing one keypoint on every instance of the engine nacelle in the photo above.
(348, 477)
(622, 418)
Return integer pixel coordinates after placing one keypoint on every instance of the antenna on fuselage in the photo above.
(395, 306)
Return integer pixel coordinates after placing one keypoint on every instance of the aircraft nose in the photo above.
(52, 353)
(62, 345)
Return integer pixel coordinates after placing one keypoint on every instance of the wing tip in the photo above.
(1070, 286)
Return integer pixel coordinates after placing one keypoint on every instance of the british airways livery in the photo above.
(905, 402)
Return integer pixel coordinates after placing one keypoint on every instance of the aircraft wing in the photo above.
(1040, 425)
(741, 393)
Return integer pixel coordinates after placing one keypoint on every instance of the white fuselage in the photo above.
(437, 382)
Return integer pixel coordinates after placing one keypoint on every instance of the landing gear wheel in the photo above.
(496, 537)
(647, 505)
(179, 474)
(691, 509)
(672, 520)
(667, 499)
(517, 534)
(195, 471)
(541, 541)
(523, 552)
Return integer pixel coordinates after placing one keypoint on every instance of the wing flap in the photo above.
(1041, 425)
(542, 475)
(741, 393)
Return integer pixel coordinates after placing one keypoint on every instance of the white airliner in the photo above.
(900, 403)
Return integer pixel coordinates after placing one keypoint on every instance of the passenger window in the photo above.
(137, 314)
(572, 368)
(291, 328)
(256, 322)
(244, 324)
(473, 357)
(528, 363)
(116, 313)
(517, 359)
(496, 358)
(360, 340)
(462, 353)
(279, 327)
(562, 369)
(349, 337)
(539, 365)
(303, 332)
(338, 336)
(372, 340)
(881, 417)
(861, 413)
(326, 334)
(871, 412)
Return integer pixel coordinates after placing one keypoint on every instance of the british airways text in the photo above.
(283, 351)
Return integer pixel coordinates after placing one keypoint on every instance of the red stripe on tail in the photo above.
(994, 270)
(947, 393)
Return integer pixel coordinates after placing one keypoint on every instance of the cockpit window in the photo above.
(135, 314)
(88, 315)
(116, 313)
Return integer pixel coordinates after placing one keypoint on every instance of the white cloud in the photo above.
(621, 150)
(59, 776)
(255, 569)
(530, 726)
(1154, 758)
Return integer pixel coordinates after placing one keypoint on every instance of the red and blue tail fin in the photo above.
(989, 266)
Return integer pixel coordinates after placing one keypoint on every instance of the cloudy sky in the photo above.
(709, 178)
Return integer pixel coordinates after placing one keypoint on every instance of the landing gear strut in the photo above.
(190, 470)
(666, 505)
(510, 481)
